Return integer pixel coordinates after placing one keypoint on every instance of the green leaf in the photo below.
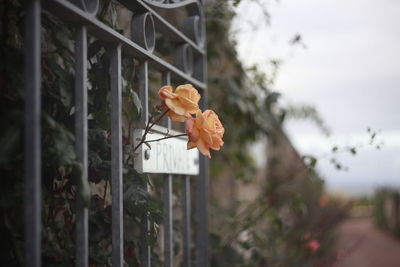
(137, 105)
(236, 3)
(133, 109)
(61, 141)
(310, 161)
(271, 99)
(94, 48)
(82, 183)
(8, 143)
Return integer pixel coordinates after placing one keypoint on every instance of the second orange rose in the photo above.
(205, 132)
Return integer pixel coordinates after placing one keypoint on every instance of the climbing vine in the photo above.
(61, 177)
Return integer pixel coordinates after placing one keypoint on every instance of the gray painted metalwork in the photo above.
(168, 217)
(186, 220)
(143, 74)
(201, 211)
(189, 66)
(104, 33)
(168, 229)
(166, 80)
(33, 150)
(89, 6)
(145, 250)
(81, 143)
(143, 30)
(184, 58)
(201, 215)
(116, 159)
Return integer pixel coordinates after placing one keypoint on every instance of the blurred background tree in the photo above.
(273, 213)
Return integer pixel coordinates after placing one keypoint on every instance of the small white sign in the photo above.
(169, 156)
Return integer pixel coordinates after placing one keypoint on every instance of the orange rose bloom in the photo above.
(205, 132)
(181, 103)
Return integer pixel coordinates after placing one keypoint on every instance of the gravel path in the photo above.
(361, 244)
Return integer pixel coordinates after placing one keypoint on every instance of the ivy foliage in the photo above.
(61, 172)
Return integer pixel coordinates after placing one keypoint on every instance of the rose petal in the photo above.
(217, 143)
(209, 117)
(189, 126)
(189, 105)
(199, 119)
(203, 148)
(191, 145)
(191, 131)
(188, 91)
(175, 106)
(175, 117)
(206, 136)
(166, 92)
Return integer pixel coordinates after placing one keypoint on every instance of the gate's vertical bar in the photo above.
(168, 215)
(168, 230)
(166, 80)
(202, 190)
(143, 74)
(33, 151)
(145, 253)
(81, 143)
(168, 227)
(186, 220)
(201, 214)
(116, 159)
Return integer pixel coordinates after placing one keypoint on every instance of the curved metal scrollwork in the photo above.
(89, 6)
(193, 6)
(169, 2)
(142, 26)
(184, 58)
(193, 25)
(193, 28)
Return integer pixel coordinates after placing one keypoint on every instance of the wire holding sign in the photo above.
(165, 156)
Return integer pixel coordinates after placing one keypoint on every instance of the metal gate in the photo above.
(189, 67)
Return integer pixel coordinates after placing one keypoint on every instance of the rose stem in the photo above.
(166, 137)
(148, 127)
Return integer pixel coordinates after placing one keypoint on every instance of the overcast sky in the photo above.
(349, 70)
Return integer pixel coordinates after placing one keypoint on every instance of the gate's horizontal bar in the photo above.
(72, 13)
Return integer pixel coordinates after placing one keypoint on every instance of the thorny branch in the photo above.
(148, 128)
